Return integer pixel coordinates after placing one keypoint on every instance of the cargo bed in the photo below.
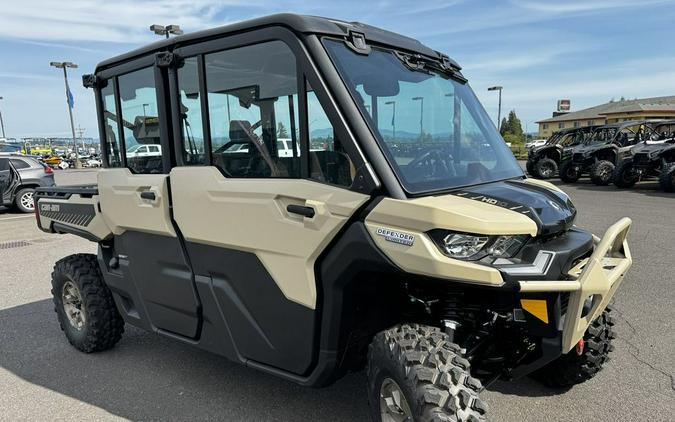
(71, 209)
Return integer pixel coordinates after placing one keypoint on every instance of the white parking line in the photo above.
(17, 217)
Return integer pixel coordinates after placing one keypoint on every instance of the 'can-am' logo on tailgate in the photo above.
(50, 207)
(396, 237)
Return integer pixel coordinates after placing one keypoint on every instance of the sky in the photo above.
(588, 51)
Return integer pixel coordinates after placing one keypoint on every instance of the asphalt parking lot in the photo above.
(146, 377)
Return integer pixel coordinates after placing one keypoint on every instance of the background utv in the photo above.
(653, 158)
(543, 162)
(431, 261)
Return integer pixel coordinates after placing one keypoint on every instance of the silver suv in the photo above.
(19, 176)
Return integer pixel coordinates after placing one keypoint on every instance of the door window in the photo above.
(191, 113)
(252, 94)
(140, 119)
(328, 161)
(111, 136)
(19, 164)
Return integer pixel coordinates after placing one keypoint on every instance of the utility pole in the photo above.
(80, 132)
(70, 101)
(393, 119)
(499, 109)
(421, 100)
(2, 124)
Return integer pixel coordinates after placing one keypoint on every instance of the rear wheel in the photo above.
(24, 200)
(416, 374)
(625, 175)
(602, 172)
(574, 367)
(84, 304)
(546, 168)
(570, 172)
(667, 178)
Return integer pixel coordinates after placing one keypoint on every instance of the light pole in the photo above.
(2, 124)
(166, 30)
(421, 100)
(70, 101)
(393, 119)
(499, 109)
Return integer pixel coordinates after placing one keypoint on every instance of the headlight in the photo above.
(476, 246)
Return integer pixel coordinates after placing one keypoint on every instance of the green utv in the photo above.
(653, 158)
(543, 162)
(304, 219)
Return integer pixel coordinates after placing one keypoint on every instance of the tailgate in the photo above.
(71, 209)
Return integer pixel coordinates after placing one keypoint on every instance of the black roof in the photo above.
(297, 23)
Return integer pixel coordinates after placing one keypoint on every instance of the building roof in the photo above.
(626, 106)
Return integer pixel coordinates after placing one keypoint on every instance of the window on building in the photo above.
(561, 125)
(191, 113)
(577, 124)
(253, 103)
(141, 121)
(544, 126)
(590, 123)
(111, 136)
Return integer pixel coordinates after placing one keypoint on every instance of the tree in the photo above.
(504, 127)
(281, 131)
(515, 127)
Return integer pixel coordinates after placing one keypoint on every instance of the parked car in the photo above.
(535, 143)
(23, 175)
(140, 151)
(655, 157)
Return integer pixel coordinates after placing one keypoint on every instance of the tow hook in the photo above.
(580, 347)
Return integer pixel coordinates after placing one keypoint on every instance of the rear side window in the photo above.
(253, 104)
(111, 136)
(140, 119)
(4, 164)
(19, 164)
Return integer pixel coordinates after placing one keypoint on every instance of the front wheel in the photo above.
(625, 175)
(570, 172)
(415, 373)
(602, 172)
(24, 200)
(667, 178)
(581, 364)
(546, 168)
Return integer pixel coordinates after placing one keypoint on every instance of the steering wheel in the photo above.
(433, 164)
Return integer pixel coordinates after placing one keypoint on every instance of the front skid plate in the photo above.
(597, 277)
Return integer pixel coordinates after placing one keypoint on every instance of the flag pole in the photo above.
(69, 99)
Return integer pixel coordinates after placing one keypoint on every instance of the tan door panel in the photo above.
(250, 215)
(124, 208)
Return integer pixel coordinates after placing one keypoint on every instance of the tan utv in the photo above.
(328, 196)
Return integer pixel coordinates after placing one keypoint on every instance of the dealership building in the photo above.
(611, 112)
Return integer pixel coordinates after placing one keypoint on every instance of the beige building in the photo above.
(612, 112)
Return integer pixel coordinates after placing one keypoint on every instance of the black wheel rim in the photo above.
(546, 170)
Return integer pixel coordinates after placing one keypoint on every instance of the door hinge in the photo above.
(165, 59)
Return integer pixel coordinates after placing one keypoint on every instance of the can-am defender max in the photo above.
(406, 242)
(655, 157)
(543, 161)
(599, 155)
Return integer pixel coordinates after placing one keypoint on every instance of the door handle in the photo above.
(148, 195)
(301, 210)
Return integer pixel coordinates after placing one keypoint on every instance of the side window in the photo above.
(112, 136)
(191, 113)
(19, 164)
(253, 103)
(328, 160)
(140, 120)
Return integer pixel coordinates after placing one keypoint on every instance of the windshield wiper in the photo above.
(420, 63)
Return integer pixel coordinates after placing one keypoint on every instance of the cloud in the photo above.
(123, 21)
(16, 75)
(583, 6)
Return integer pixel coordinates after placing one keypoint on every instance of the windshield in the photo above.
(432, 129)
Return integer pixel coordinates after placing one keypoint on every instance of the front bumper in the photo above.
(596, 277)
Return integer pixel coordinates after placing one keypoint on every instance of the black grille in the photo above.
(641, 158)
(578, 157)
